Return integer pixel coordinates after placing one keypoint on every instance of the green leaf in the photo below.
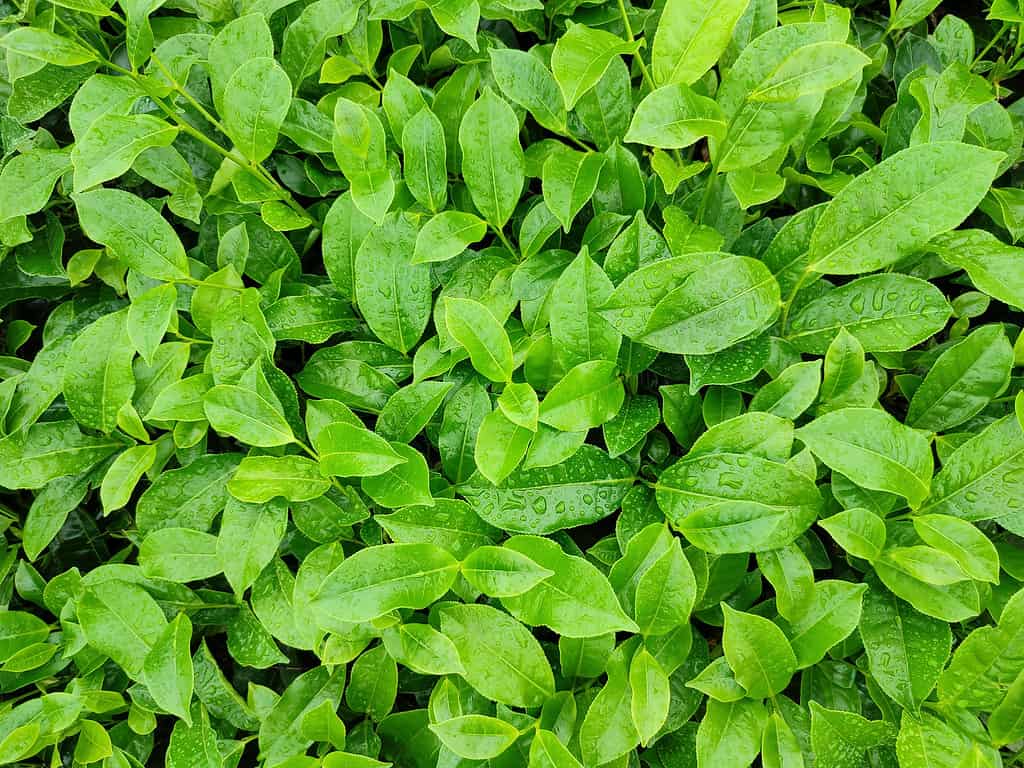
(380, 579)
(492, 159)
(347, 450)
(259, 479)
(718, 682)
(474, 326)
(248, 540)
(909, 12)
(780, 747)
(423, 649)
(476, 737)
(280, 734)
(691, 37)
(885, 313)
(502, 572)
(45, 451)
(972, 550)
(568, 182)
(859, 531)
(503, 661)
(608, 731)
(578, 332)
(844, 738)
(124, 474)
(985, 259)
(730, 733)
(737, 296)
(587, 396)
(450, 524)
(981, 479)
(98, 378)
(149, 317)
(189, 497)
(915, 195)
(731, 502)
(139, 236)
(906, 650)
(791, 576)
(546, 751)
(46, 46)
(359, 147)
(674, 117)
(962, 381)
(829, 618)
(758, 653)
(447, 235)
(873, 449)
(112, 144)
(1006, 724)
(843, 365)
(194, 745)
(812, 68)
(424, 151)
(179, 554)
(650, 699)
(584, 488)
(122, 621)
(93, 743)
(518, 401)
(308, 318)
(27, 181)
(168, 671)
(575, 601)
(393, 293)
(525, 81)
(791, 393)
(255, 102)
(247, 416)
(580, 58)
(19, 630)
(373, 683)
(403, 484)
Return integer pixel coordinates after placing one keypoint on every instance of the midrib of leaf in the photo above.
(903, 655)
(258, 116)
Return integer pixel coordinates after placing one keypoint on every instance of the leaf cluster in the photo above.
(513, 384)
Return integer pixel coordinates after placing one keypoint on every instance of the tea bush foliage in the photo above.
(513, 384)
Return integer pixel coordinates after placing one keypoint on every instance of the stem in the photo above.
(505, 242)
(581, 144)
(708, 188)
(256, 169)
(789, 301)
(312, 454)
(991, 43)
(188, 96)
(636, 57)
